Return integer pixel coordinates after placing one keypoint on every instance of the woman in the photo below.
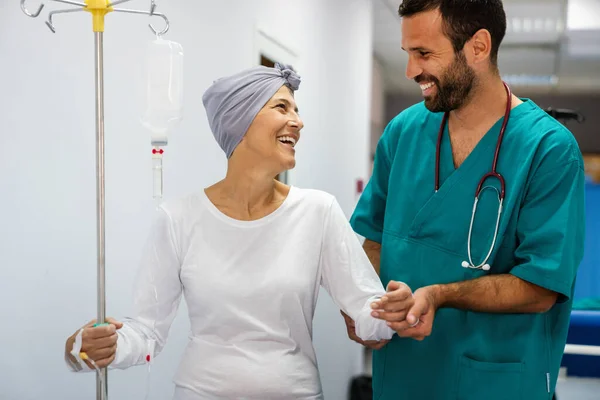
(249, 254)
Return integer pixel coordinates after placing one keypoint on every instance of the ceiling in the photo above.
(551, 46)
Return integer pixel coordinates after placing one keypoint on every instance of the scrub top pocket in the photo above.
(479, 380)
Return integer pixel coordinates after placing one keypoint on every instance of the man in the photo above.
(492, 296)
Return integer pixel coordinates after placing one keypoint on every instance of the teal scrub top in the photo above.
(473, 355)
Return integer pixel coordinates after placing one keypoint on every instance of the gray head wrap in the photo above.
(232, 102)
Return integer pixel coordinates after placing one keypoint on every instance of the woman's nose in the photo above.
(296, 123)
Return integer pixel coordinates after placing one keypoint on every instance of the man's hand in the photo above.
(419, 320)
(372, 344)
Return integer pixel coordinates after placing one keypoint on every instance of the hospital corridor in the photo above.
(302, 200)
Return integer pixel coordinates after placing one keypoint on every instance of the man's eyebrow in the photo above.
(419, 49)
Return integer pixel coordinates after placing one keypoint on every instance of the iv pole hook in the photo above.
(26, 11)
(167, 25)
(153, 14)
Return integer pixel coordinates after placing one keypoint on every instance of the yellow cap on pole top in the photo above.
(98, 9)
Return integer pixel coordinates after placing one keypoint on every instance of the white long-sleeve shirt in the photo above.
(251, 288)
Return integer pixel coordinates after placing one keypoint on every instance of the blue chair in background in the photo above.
(584, 328)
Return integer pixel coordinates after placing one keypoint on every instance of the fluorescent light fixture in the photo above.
(583, 14)
(534, 25)
(530, 80)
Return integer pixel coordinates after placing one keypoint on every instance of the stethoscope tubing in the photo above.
(492, 174)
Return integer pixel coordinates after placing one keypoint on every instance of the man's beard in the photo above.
(455, 87)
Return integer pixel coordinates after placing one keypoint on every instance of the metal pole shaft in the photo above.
(101, 378)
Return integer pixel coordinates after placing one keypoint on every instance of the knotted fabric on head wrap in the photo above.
(232, 102)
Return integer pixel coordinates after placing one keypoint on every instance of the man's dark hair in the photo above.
(463, 18)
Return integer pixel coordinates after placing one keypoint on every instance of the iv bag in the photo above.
(164, 88)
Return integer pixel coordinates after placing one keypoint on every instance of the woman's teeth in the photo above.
(287, 140)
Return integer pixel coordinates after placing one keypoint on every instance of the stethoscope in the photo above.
(492, 174)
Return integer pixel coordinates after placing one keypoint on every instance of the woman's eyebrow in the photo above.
(281, 99)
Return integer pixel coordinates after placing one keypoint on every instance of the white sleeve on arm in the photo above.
(157, 294)
(349, 277)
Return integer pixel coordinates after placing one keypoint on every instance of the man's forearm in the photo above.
(495, 294)
(373, 250)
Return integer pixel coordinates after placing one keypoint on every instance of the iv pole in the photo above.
(99, 9)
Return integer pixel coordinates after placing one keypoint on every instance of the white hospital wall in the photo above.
(47, 168)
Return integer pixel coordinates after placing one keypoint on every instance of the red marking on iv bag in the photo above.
(154, 151)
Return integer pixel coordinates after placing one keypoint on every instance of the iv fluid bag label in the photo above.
(164, 87)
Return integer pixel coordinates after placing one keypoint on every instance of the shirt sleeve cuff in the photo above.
(545, 281)
(366, 231)
(368, 327)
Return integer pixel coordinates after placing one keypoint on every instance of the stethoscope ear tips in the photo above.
(485, 267)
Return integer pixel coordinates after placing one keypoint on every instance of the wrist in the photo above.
(438, 295)
(69, 358)
(69, 344)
